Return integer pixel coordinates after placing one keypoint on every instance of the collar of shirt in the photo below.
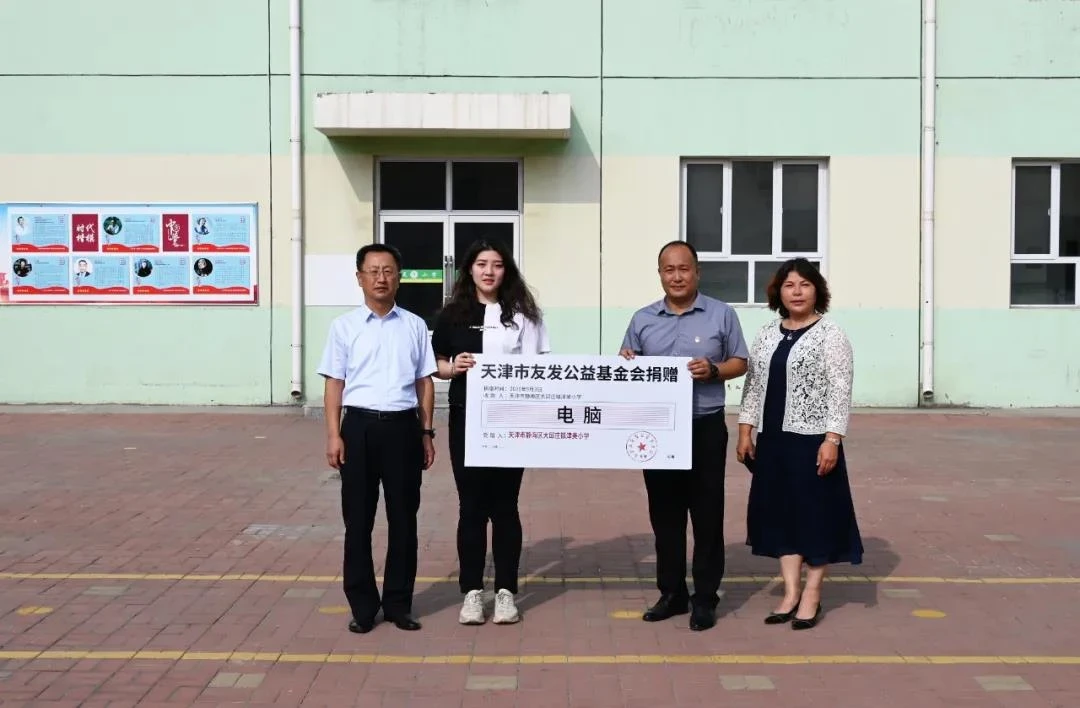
(662, 307)
(369, 313)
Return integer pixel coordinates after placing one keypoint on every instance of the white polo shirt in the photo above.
(378, 358)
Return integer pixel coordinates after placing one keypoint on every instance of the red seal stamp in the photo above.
(641, 446)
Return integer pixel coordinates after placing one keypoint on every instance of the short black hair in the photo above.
(807, 270)
(377, 248)
(685, 244)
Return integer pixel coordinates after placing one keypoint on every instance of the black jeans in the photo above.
(485, 493)
(698, 492)
(390, 451)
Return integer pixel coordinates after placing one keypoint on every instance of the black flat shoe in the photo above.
(405, 622)
(666, 607)
(797, 623)
(361, 627)
(783, 617)
(702, 618)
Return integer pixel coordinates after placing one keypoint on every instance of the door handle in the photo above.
(448, 278)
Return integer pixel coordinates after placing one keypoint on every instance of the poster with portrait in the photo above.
(128, 253)
(5, 257)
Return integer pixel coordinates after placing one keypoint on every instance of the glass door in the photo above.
(422, 243)
(466, 230)
(433, 247)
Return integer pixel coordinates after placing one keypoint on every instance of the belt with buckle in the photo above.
(382, 415)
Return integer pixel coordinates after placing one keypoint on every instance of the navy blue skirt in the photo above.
(793, 511)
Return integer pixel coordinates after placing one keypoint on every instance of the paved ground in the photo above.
(191, 560)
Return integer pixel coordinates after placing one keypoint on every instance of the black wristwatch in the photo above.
(429, 432)
(715, 370)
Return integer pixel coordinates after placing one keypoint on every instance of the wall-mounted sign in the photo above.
(129, 253)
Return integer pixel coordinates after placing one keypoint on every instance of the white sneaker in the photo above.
(472, 611)
(506, 612)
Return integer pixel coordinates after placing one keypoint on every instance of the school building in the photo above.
(925, 154)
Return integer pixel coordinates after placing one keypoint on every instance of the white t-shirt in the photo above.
(527, 338)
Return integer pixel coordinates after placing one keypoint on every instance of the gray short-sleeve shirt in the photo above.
(709, 329)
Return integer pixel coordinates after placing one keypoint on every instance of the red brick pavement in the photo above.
(97, 496)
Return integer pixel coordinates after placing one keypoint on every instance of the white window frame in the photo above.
(1054, 257)
(778, 254)
(457, 217)
(414, 218)
(418, 218)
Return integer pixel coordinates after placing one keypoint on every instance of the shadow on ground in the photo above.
(625, 557)
(879, 560)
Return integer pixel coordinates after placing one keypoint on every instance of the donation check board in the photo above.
(597, 412)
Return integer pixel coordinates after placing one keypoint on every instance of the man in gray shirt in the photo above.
(687, 323)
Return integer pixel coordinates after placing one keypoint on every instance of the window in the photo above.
(433, 210)
(745, 217)
(1045, 233)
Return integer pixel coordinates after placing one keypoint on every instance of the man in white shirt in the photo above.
(377, 364)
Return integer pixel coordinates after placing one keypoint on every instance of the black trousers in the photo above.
(485, 494)
(699, 492)
(387, 450)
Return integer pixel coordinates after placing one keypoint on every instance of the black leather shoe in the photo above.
(782, 617)
(797, 623)
(702, 618)
(361, 627)
(665, 608)
(405, 622)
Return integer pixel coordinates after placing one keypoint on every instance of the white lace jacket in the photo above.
(820, 370)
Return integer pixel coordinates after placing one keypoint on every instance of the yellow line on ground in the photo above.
(535, 579)
(348, 658)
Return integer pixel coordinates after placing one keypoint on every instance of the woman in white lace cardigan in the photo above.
(797, 395)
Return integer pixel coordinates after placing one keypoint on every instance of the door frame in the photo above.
(449, 216)
(422, 218)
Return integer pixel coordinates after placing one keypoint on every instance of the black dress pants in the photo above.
(485, 494)
(387, 449)
(699, 493)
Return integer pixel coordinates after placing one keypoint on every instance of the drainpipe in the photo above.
(296, 200)
(929, 138)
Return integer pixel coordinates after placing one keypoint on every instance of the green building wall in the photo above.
(190, 103)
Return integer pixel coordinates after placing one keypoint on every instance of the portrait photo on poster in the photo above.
(82, 269)
(20, 229)
(112, 225)
(143, 268)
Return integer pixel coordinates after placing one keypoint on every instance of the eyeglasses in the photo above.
(388, 273)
